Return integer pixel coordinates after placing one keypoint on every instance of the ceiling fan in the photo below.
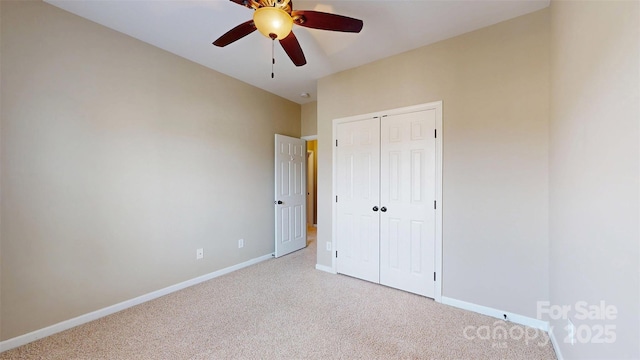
(275, 18)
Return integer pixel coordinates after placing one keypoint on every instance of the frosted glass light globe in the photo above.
(273, 22)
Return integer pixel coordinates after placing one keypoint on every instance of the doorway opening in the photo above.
(312, 183)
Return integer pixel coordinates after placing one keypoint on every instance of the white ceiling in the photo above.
(187, 28)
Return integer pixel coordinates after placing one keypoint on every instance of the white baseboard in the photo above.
(82, 319)
(325, 268)
(554, 342)
(499, 314)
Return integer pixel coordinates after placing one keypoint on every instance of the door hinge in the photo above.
(336, 142)
(336, 198)
(435, 133)
(336, 254)
(434, 204)
(434, 276)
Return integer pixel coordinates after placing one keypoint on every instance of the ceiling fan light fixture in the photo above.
(274, 19)
(273, 22)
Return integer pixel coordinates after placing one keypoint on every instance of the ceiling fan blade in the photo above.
(292, 47)
(326, 21)
(236, 33)
(245, 3)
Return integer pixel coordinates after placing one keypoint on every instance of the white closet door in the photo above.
(408, 192)
(358, 191)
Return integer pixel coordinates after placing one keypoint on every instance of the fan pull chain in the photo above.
(273, 57)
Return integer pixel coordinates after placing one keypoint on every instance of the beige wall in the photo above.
(594, 176)
(118, 161)
(495, 91)
(309, 115)
(309, 127)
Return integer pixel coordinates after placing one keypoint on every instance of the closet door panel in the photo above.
(407, 192)
(358, 190)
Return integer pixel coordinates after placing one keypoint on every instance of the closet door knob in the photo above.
(383, 209)
(375, 208)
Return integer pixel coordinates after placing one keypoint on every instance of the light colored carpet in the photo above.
(285, 309)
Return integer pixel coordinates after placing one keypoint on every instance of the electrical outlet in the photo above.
(240, 243)
(199, 254)
(328, 245)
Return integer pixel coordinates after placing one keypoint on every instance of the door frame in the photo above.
(437, 106)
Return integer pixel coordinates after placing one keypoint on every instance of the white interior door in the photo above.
(407, 195)
(290, 194)
(358, 192)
